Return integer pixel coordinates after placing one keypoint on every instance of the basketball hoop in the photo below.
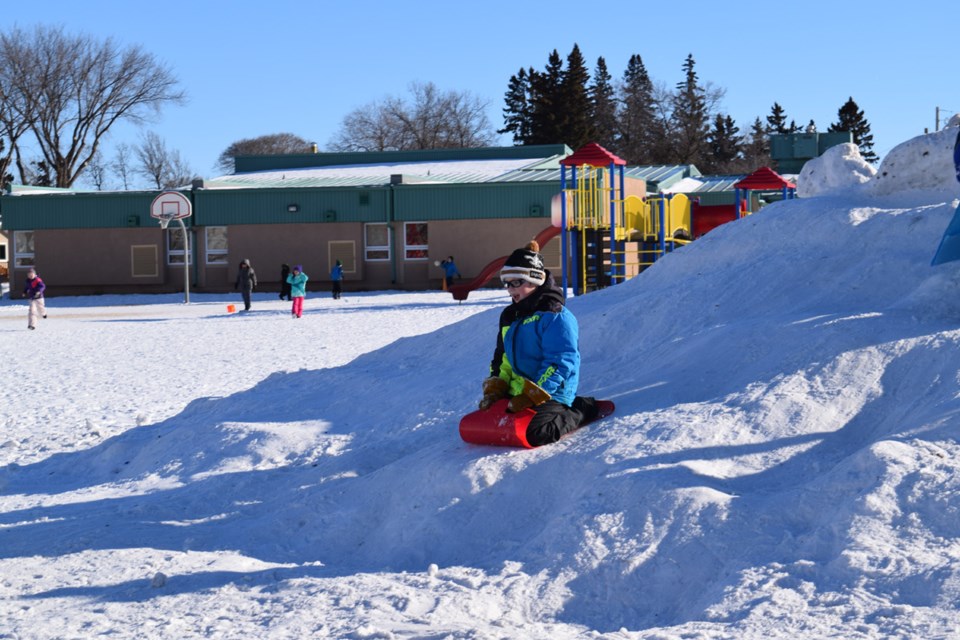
(170, 205)
(173, 205)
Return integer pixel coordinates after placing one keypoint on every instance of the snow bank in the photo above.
(839, 168)
(922, 163)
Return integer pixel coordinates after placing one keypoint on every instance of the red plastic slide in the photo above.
(461, 291)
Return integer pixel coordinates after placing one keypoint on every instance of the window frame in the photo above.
(424, 249)
(368, 248)
(24, 259)
(222, 255)
(171, 253)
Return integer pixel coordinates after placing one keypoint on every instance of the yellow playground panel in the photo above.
(590, 199)
(642, 218)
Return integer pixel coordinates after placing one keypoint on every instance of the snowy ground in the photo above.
(783, 462)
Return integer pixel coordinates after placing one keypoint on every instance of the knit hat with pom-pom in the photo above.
(525, 264)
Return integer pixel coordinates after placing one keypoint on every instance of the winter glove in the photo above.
(531, 396)
(494, 388)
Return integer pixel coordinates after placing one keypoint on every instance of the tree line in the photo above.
(641, 121)
(60, 94)
(646, 123)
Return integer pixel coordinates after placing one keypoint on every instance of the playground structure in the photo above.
(611, 235)
(611, 229)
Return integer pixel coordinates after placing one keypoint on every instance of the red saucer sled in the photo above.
(494, 426)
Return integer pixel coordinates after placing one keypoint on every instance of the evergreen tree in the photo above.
(603, 97)
(725, 145)
(689, 118)
(545, 101)
(777, 120)
(516, 112)
(851, 118)
(575, 108)
(756, 149)
(637, 114)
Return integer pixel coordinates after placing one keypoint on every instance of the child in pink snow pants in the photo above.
(298, 289)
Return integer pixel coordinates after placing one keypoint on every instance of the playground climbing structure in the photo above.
(611, 231)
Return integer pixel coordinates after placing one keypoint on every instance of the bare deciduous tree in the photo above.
(165, 168)
(432, 119)
(97, 171)
(121, 164)
(369, 128)
(268, 145)
(16, 104)
(70, 90)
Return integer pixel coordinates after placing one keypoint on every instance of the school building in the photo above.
(387, 216)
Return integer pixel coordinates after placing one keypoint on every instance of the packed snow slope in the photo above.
(783, 462)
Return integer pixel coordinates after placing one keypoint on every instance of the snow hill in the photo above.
(783, 462)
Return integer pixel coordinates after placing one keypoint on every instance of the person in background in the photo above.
(33, 291)
(284, 285)
(536, 363)
(246, 281)
(449, 270)
(336, 274)
(298, 289)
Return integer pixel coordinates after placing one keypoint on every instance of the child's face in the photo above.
(519, 293)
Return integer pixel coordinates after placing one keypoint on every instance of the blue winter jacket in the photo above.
(298, 285)
(450, 269)
(336, 273)
(539, 341)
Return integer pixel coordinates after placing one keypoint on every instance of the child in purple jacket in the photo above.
(33, 291)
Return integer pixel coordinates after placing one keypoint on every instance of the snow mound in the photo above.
(839, 168)
(925, 162)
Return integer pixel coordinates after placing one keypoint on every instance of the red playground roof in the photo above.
(764, 179)
(593, 155)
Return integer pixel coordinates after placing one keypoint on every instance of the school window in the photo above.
(216, 242)
(376, 240)
(415, 246)
(175, 247)
(23, 249)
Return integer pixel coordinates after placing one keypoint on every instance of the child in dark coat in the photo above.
(284, 285)
(246, 281)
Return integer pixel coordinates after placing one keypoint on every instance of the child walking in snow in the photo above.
(246, 282)
(336, 275)
(298, 289)
(33, 291)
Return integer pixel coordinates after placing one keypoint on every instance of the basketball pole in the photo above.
(186, 262)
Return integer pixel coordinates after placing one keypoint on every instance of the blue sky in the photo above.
(254, 68)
